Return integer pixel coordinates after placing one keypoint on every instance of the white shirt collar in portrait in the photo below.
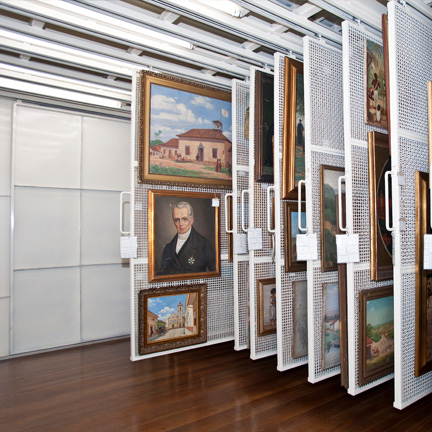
(181, 238)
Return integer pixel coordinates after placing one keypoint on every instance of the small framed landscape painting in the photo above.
(185, 133)
(329, 215)
(293, 154)
(266, 306)
(423, 288)
(381, 240)
(375, 85)
(171, 317)
(331, 326)
(376, 334)
(290, 235)
(183, 235)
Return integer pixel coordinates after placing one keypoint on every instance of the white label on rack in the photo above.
(239, 244)
(254, 238)
(347, 248)
(427, 257)
(307, 247)
(128, 247)
(215, 202)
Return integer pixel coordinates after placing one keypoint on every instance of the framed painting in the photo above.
(184, 237)
(329, 176)
(184, 133)
(384, 22)
(376, 334)
(342, 288)
(375, 85)
(171, 317)
(264, 126)
(266, 306)
(330, 354)
(293, 153)
(300, 325)
(423, 286)
(381, 240)
(290, 235)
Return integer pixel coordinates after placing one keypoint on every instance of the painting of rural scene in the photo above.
(190, 134)
(376, 100)
(379, 332)
(172, 317)
(331, 326)
(329, 228)
(300, 327)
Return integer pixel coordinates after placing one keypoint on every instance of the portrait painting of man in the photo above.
(183, 235)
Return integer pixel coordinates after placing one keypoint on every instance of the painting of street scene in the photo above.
(171, 317)
(331, 326)
(379, 333)
(190, 134)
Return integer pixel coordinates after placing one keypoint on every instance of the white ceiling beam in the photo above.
(307, 10)
(422, 7)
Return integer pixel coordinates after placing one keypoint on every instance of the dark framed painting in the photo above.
(329, 176)
(293, 150)
(264, 126)
(300, 322)
(171, 317)
(384, 23)
(381, 240)
(290, 236)
(342, 288)
(376, 334)
(266, 306)
(330, 354)
(185, 133)
(183, 235)
(423, 286)
(375, 85)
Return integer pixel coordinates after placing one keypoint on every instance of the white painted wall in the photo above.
(69, 284)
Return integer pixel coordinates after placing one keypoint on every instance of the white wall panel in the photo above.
(106, 154)
(46, 308)
(100, 236)
(46, 228)
(105, 301)
(5, 145)
(4, 242)
(4, 327)
(47, 148)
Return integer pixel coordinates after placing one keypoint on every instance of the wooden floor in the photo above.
(97, 388)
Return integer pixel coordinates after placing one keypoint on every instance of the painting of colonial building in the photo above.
(152, 323)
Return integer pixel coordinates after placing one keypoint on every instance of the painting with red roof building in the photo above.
(185, 132)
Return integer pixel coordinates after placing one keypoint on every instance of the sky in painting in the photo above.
(331, 298)
(294, 221)
(164, 306)
(175, 111)
(380, 310)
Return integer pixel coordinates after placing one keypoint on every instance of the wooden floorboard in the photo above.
(97, 388)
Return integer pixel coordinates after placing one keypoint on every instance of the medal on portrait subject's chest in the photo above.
(191, 260)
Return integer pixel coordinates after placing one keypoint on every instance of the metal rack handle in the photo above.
(269, 228)
(299, 201)
(386, 200)
(340, 179)
(244, 192)
(229, 231)
(121, 213)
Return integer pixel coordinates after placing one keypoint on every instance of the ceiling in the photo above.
(92, 46)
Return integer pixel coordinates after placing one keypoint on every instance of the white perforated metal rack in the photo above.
(220, 293)
(284, 281)
(410, 64)
(261, 265)
(357, 188)
(240, 175)
(323, 145)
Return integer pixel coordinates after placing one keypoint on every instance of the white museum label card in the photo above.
(347, 248)
(427, 256)
(307, 247)
(254, 238)
(240, 244)
(128, 247)
(215, 202)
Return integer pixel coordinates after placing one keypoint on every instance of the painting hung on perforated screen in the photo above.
(172, 317)
(375, 85)
(185, 132)
(331, 326)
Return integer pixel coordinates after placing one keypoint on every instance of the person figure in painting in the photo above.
(378, 113)
(188, 251)
(376, 86)
(300, 138)
(273, 307)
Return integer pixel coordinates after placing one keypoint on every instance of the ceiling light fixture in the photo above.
(226, 6)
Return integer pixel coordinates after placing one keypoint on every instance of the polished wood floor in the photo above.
(97, 388)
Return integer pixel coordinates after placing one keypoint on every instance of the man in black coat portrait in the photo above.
(188, 251)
